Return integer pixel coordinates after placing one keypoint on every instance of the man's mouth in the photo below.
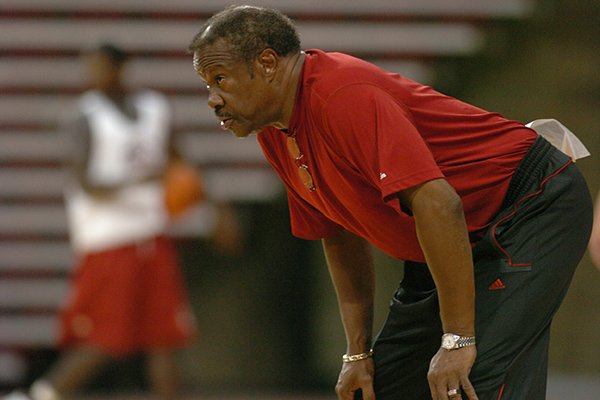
(226, 123)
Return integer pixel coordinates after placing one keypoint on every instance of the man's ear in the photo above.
(268, 62)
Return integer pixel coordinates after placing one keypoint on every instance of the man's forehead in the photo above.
(217, 53)
(204, 63)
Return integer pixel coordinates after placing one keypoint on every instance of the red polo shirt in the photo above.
(367, 134)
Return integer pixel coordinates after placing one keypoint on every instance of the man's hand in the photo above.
(354, 376)
(450, 370)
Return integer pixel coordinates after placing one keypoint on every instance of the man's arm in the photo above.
(443, 236)
(353, 276)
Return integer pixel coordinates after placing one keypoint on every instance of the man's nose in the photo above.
(214, 100)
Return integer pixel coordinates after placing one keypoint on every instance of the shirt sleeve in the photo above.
(376, 133)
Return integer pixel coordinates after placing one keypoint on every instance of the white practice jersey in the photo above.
(123, 150)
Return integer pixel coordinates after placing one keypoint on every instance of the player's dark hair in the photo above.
(114, 53)
(248, 30)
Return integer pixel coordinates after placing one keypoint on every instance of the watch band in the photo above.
(465, 341)
(451, 341)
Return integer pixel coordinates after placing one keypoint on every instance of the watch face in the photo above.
(448, 341)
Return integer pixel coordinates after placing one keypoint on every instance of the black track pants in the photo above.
(523, 267)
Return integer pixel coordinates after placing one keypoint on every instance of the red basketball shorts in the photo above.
(128, 299)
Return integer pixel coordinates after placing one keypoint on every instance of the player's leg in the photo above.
(409, 338)
(524, 266)
(70, 373)
(166, 319)
(528, 375)
(512, 330)
(96, 323)
(163, 373)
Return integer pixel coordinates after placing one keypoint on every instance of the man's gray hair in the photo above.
(248, 30)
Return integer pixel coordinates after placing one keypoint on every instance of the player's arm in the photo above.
(353, 276)
(227, 235)
(78, 142)
(594, 245)
(443, 236)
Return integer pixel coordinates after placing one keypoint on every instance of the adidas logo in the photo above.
(497, 285)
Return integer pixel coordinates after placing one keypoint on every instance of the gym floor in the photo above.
(559, 387)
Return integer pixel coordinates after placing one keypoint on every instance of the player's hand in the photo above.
(450, 370)
(354, 376)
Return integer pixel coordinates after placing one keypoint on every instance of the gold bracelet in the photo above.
(357, 357)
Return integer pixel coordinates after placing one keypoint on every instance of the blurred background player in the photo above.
(594, 245)
(127, 292)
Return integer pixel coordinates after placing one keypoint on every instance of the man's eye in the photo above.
(219, 79)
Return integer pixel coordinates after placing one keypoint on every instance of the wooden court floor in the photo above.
(559, 387)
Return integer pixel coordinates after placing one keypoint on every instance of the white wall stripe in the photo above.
(510, 8)
(28, 331)
(372, 37)
(46, 293)
(60, 72)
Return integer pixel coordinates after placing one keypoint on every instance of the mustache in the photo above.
(220, 114)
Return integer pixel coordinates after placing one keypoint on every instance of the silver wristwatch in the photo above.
(450, 341)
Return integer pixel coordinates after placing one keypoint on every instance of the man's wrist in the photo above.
(348, 358)
(452, 341)
(359, 342)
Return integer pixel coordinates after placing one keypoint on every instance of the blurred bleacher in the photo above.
(40, 76)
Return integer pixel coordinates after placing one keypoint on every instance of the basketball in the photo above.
(183, 188)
